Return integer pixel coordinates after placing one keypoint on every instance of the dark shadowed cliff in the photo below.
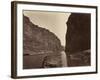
(78, 39)
(78, 32)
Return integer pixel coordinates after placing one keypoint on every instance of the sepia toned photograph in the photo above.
(53, 39)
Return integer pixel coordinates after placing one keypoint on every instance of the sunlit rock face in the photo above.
(78, 39)
(38, 43)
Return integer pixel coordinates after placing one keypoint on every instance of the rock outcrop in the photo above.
(38, 41)
(78, 39)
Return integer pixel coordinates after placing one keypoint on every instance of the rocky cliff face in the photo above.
(78, 39)
(39, 39)
(78, 33)
(38, 43)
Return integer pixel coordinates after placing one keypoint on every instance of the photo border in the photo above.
(14, 37)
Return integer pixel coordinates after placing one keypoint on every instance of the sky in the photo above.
(53, 21)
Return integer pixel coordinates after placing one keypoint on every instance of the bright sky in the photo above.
(54, 21)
